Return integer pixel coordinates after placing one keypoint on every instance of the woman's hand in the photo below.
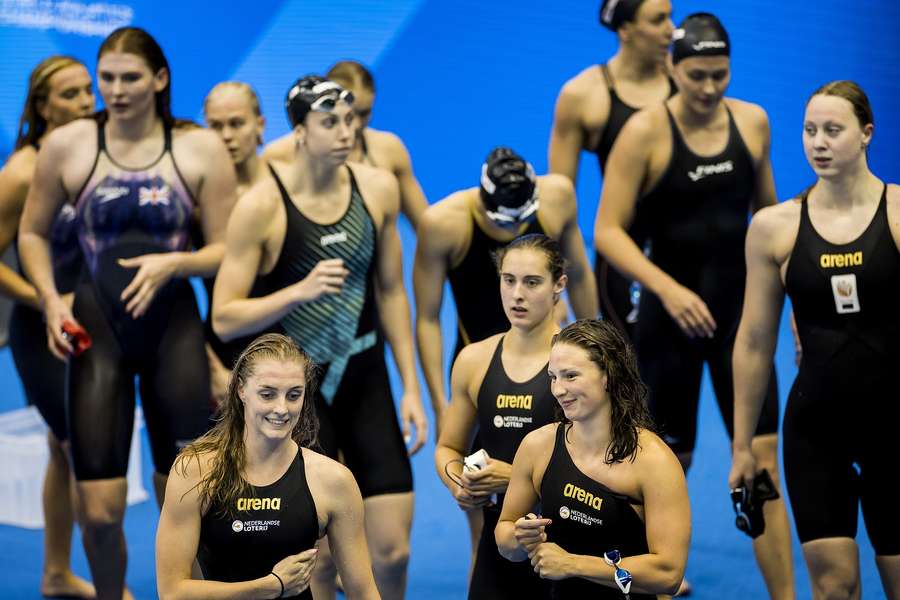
(57, 310)
(550, 561)
(412, 414)
(153, 272)
(295, 571)
(466, 501)
(529, 531)
(492, 479)
(743, 469)
(327, 277)
(689, 311)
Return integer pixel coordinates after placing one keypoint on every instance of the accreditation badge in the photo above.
(846, 294)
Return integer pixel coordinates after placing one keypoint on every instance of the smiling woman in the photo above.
(253, 480)
(618, 492)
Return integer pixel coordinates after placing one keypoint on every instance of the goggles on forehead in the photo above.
(328, 101)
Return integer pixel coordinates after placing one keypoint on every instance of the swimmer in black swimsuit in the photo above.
(250, 499)
(695, 168)
(60, 90)
(613, 496)
(371, 146)
(500, 390)
(322, 236)
(592, 108)
(835, 250)
(134, 174)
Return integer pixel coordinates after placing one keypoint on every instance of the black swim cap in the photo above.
(508, 187)
(700, 34)
(615, 12)
(313, 94)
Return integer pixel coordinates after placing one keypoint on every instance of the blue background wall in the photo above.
(454, 79)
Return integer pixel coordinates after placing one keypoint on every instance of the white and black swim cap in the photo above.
(313, 94)
(508, 187)
(700, 34)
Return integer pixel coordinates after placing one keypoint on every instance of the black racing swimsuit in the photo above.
(697, 218)
(616, 303)
(507, 412)
(43, 375)
(342, 334)
(588, 519)
(268, 523)
(841, 419)
(476, 288)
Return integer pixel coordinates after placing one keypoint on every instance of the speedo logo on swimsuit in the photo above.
(847, 259)
(577, 493)
(708, 45)
(259, 504)
(110, 192)
(333, 238)
(706, 170)
(514, 401)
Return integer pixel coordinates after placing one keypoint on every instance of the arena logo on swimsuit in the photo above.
(577, 493)
(259, 504)
(847, 259)
(514, 401)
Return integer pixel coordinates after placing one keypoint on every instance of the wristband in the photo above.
(280, 582)
(623, 576)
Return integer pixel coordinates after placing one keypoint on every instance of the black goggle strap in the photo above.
(453, 477)
(623, 578)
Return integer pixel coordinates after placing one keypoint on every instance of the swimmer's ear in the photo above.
(261, 127)
(299, 136)
(558, 287)
(161, 80)
(867, 131)
(41, 106)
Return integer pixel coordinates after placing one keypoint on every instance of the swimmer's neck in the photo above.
(630, 65)
(858, 185)
(262, 454)
(523, 341)
(593, 435)
(249, 171)
(691, 119)
(136, 129)
(316, 177)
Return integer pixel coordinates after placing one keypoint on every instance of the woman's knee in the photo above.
(102, 503)
(833, 568)
(391, 553)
